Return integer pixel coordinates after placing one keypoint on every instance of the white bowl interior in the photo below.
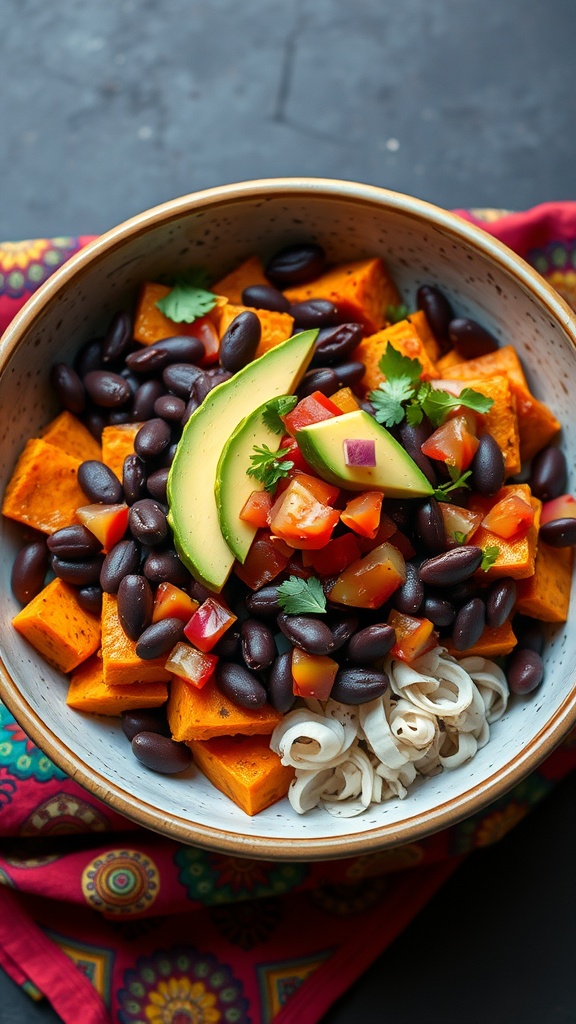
(420, 245)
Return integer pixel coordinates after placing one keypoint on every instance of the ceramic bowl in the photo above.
(217, 229)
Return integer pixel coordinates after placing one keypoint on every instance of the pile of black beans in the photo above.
(114, 380)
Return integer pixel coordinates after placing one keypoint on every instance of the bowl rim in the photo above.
(383, 836)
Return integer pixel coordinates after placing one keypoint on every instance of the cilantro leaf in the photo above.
(300, 597)
(436, 403)
(459, 537)
(388, 397)
(396, 313)
(268, 467)
(275, 409)
(188, 298)
(456, 481)
(414, 414)
(490, 555)
(394, 364)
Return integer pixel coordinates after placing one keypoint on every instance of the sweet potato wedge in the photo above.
(117, 443)
(501, 421)
(362, 290)
(121, 666)
(404, 337)
(546, 594)
(68, 433)
(276, 327)
(43, 491)
(60, 630)
(244, 769)
(249, 272)
(516, 558)
(88, 692)
(203, 714)
(495, 642)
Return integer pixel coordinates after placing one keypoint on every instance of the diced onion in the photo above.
(359, 452)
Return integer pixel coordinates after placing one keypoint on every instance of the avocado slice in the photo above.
(193, 514)
(395, 473)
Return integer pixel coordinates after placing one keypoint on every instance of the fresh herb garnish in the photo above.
(275, 409)
(300, 597)
(188, 298)
(402, 394)
(490, 555)
(456, 481)
(268, 467)
(396, 313)
(459, 537)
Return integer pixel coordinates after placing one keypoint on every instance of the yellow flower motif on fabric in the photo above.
(181, 1001)
(17, 255)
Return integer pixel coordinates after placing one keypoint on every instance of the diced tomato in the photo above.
(345, 399)
(313, 674)
(294, 455)
(107, 522)
(510, 517)
(324, 492)
(256, 510)
(403, 543)
(459, 523)
(362, 514)
(452, 443)
(336, 556)
(172, 603)
(414, 636)
(563, 507)
(298, 518)
(312, 409)
(203, 328)
(263, 563)
(194, 666)
(208, 623)
(371, 580)
(386, 530)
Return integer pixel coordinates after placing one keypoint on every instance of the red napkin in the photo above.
(113, 923)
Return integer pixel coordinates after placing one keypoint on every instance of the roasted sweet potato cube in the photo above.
(117, 443)
(503, 362)
(244, 769)
(202, 714)
(43, 491)
(501, 420)
(420, 324)
(516, 558)
(276, 327)
(362, 290)
(495, 642)
(121, 666)
(249, 272)
(404, 337)
(68, 433)
(60, 630)
(546, 594)
(88, 692)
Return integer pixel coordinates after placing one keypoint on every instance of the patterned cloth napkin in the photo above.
(117, 925)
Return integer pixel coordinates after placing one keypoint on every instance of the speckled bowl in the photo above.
(217, 228)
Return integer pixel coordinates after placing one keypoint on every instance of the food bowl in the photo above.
(218, 228)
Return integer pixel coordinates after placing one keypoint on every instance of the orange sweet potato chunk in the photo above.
(250, 272)
(420, 324)
(516, 558)
(60, 630)
(495, 642)
(244, 769)
(403, 337)
(362, 290)
(203, 714)
(117, 443)
(546, 594)
(501, 421)
(121, 666)
(68, 433)
(43, 491)
(150, 323)
(503, 362)
(276, 327)
(88, 692)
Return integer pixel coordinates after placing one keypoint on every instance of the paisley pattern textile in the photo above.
(137, 929)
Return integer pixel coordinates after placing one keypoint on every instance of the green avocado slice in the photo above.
(395, 473)
(193, 513)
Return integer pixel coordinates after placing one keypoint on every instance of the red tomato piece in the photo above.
(312, 409)
(336, 556)
(452, 443)
(299, 519)
(264, 561)
(386, 529)
(313, 674)
(414, 636)
(362, 514)
(192, 665)
(371, 580)
(293, 454)
(172, 603)
(208, 623)
(459, 523)
(203, 329)
(563, 507)
(257, 509)
(107, 522)
(510, 517)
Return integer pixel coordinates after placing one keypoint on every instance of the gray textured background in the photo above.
(111, 106)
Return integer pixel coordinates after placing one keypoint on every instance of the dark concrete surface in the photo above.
(111, 106)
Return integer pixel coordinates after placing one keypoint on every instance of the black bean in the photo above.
(182, 348)
(358, 685)
(242, 687)
(167, 457)
(79, 573)
(117, 339)
(559, 533)
(159, 638)
(144, 400)
(296, 264)
(323, 379)
(29, 571)
(529, 633)
(135, 605)
(122, 560)
(152, 439)
(160, 753)
(469, 624)
(412, 437)
(179, 378)
(408, 598)
(149, 359)
(73, 542)
(156, 483)
(90, 599)
(488, 466)
(525, 670)
(229, 645)
(462, 592)
(165, 567)
(429, 525)
(202, 386)
(440, 611)
(264, 296)
(500, 601)
(217, 375)
(314, 313)
(258, 645)
(342, 628)
(68, 388)
(438, 312)
(452, 566)
(349, 374)
(240, 341)
(548, 473)
(132, 379)
(470, 339)
(95, 421)
(309, 634)
(99, 483)
(263, 601)
(371, 643)
(133, 479)
(334, 344)
(147, 521)
(89, 357)
(281, 683)
(145, 720)
(106, 389)
(191, 407)
(170, 407)
(117, 416)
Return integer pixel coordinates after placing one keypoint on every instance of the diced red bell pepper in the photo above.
(203, 328)
(172, 603)
(371, 580)
(414, 636)
(107, 522)
(510, 517)
(563, 507)
(312, 409)
(256, 510)
(452, 443)
(263, 563)
(336, 556)
(298, 518)
(208, 623)
(362, 514)
(459, 523)
(313, 675)
(192, 665)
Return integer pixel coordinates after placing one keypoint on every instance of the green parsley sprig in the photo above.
(269, 467)
(456, 481)
(302, 597)
(396, 313)
(275, 409)
(188, 299)
(491, 552)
